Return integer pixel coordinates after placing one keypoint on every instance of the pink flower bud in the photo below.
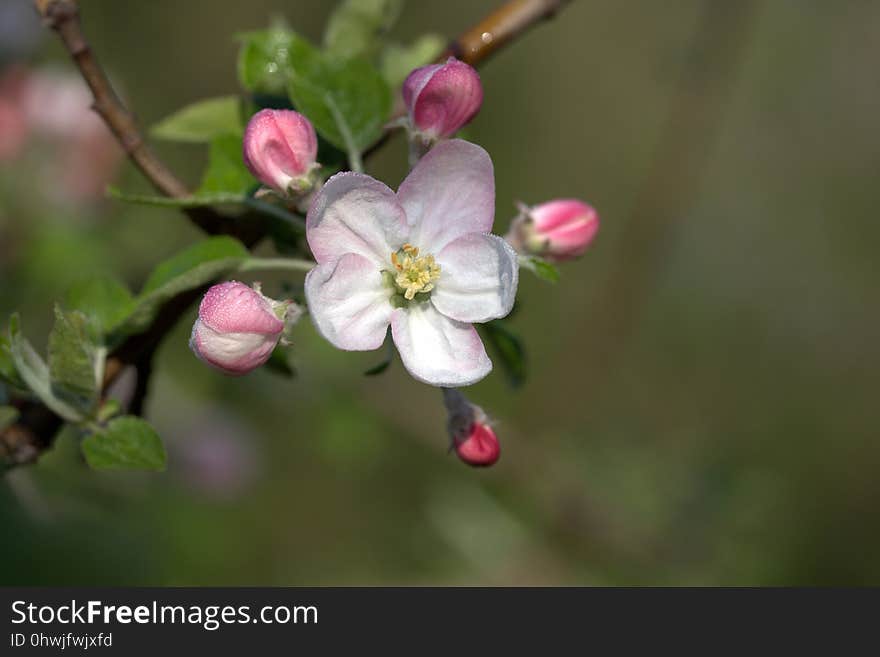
(480, 447)
(470, 434)
(280, 147)
(557, 230)
(441, 98)
(237, 328)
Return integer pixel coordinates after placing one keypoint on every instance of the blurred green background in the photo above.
(702, 403)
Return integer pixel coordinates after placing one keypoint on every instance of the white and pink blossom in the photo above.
(421, 261)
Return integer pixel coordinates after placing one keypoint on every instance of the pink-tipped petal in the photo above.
(416, 81)
(561, 230)
(478, 279)
(354, 213)
(437, 350)
(446, 99)
(449, 193)
(234, 307)
(348, 303)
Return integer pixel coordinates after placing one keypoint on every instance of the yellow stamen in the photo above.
(415, 274)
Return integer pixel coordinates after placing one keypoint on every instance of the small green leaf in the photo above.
(35, 373)
(203, 121)
(102, 298)
(8, 373)
(356, 27)
(540, 268)
(126, 443)
(189, 269)
(196, 265)
(398, 61)
(8, 415)
(379, 368)
(226, 172)
(264, 60)
(508, 348)
(325, 88)
(76, 360)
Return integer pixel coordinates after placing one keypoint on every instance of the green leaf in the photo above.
(356, 27)
(8, 373)
(76, 360)
(189, 269)
(8, 415)
(196, 265)
(509, 350)
(264, 60)
(126, 443)
(203, 121)
(398, 61)
(102, 298)
(35, 373)
(226, 172)
(379, 368)
(327, 88)
(540, 268)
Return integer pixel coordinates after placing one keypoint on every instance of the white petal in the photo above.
(449, 193)
(353, 213)
(438, 350)
(478, 278)
(348, 303)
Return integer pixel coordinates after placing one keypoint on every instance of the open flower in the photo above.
(421, 261)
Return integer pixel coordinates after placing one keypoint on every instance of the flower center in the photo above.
(413, 274)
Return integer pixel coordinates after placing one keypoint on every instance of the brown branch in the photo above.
(501, 27)
(477, 44)
(24, 441)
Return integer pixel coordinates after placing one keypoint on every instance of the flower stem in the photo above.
(354, 153)
(263, 264)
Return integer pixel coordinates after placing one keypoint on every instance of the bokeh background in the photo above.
(702, 400)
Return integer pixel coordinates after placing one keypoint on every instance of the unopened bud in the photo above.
(470, 433)
(442, 98)
(557, 230)
(238, 327)
(280, 147)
